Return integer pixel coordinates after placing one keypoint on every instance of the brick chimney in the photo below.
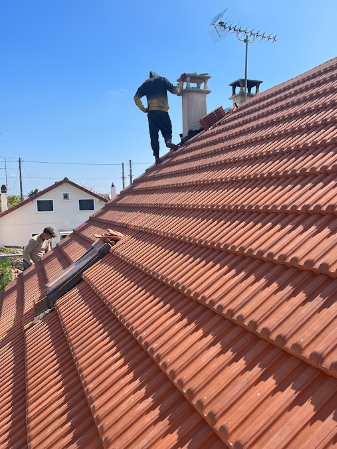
(3, 198)
(194, 101)
(239, 97)
(113, 190)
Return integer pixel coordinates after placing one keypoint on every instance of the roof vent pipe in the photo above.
(194, 101)
(4, 206)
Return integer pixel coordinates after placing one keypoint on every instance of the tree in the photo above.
(12, 200)
(33, 192)
(6, 275)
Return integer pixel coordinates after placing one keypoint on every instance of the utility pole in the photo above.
(123, 177)
(21, 195)
(130, 171)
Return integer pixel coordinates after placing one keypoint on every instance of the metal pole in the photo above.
(246, 66)
(123, 177)
(130, 171)
(21, 195)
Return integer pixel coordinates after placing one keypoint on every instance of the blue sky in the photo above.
(70, 69)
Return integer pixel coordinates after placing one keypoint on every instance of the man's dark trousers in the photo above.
(159, 121)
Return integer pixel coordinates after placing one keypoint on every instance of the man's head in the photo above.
(153, 74)
(48, 233)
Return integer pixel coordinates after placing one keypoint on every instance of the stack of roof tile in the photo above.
(211, 118)
(212, 322)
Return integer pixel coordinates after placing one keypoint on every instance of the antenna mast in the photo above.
(221, 29)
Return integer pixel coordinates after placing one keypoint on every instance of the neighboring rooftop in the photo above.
(212, 322)
(48, 189)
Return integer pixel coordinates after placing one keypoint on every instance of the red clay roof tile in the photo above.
(212, 322)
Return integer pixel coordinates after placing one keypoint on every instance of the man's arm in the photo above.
(175, 89)
(28, 249)
(137, 99)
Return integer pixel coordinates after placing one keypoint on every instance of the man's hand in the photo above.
(146, 110)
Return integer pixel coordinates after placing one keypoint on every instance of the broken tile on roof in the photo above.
(211, 322)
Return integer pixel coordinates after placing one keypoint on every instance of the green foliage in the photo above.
(32, 192)
(15, 262)
(6, 275)
(13, 200)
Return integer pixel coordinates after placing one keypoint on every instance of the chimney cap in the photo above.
(3, 188)
(196, 77)
(250, 83)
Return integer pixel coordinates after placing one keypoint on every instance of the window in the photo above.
(64, 233)
(45, 205)
(86, 204)
(65, 196)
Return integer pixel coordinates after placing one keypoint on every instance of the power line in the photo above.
(74, 163)
(80, 163)
(64, 163)
(28, 176)
(16, 177)
(88, 179)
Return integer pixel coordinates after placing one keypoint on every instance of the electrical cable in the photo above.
(76, 163)
(28, 176)
(16, 177)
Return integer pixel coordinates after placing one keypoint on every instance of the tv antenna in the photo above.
(221, 28)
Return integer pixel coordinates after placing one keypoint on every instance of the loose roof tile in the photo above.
(212, 322)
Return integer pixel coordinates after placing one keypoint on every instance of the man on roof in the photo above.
(155, 89)
(37, 247)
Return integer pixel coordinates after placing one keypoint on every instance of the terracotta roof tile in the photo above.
(234, 379)
(131, 399)
(74, 248)
(54, 262)
(13, 433)
(57, 410)
(212, 321)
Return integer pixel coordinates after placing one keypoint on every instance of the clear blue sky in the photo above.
(70, 68)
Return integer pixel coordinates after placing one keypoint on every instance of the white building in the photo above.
(63, 206)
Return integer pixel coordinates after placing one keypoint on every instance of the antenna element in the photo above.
(221, 29)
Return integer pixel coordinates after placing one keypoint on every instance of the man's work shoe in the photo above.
(158, 160)
(171, 145)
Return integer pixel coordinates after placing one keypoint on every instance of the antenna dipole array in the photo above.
(221, 29)
(230, 28)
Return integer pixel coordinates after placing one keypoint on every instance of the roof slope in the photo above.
(48, 189)
(212, 322)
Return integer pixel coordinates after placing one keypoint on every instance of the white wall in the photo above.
(17, 227)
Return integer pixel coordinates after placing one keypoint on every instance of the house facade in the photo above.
(64, 206)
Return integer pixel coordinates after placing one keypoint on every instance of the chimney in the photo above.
(239, 97)
(194, 101)
(3, 198)
(113, 190)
